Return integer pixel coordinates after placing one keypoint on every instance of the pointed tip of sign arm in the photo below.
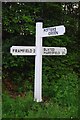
(11, 50)
(65, 51)
(64, 29)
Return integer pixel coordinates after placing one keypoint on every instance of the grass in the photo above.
(25, 107)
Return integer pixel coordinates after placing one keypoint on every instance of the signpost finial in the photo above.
(39, 19)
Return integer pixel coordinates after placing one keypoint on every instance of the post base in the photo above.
(38, 100)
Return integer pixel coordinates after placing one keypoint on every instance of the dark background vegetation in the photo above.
(60, 73)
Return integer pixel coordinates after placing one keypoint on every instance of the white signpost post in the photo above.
(38, 51)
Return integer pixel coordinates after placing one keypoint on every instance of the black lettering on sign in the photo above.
(45, 49)
(21, 50)
(63, 52)
(47, 52)
(53, 52)
(33, 50)
(30, 51)
(52, 31)
(49, 49)
(14, 50)
(57, 52)
(45, 30)
(52, 49)
(26, 50)
(18, 50)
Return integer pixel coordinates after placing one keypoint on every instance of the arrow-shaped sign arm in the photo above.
(53, 31)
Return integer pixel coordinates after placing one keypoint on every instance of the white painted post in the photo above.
(38, 51)
(38, 64)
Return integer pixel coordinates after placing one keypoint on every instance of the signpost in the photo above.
(30, 50)
(38, 51)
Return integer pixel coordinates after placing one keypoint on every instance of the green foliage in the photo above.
(60, 84)
(17, 107)
(66, 89)
(27, 108)
(14, 23)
